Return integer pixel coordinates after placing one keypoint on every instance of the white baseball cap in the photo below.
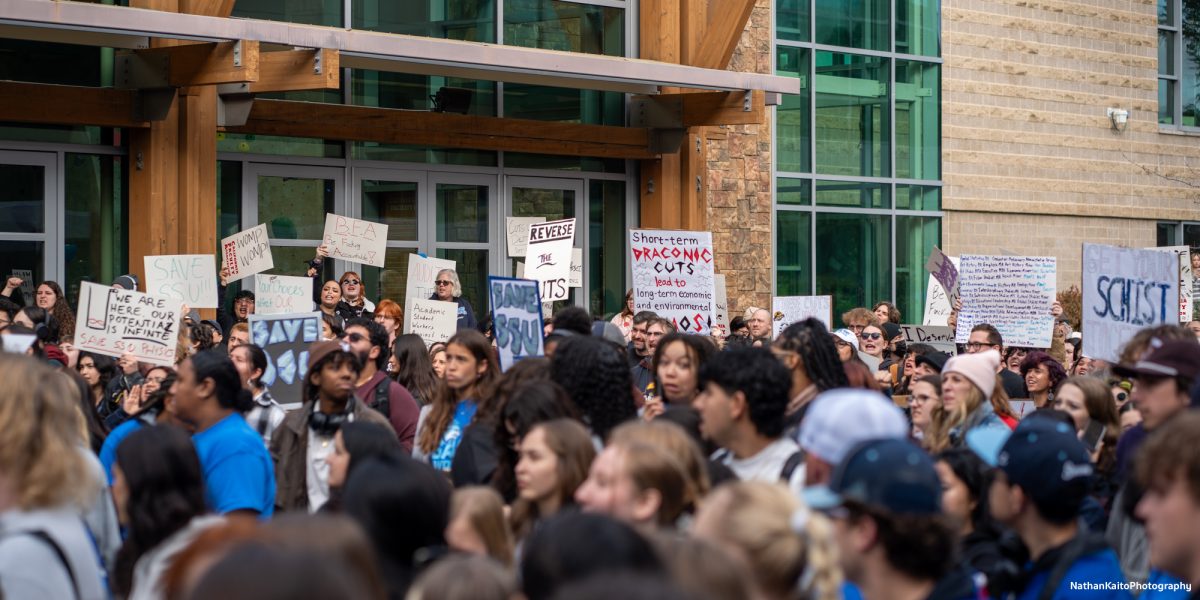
(847, 336)
(840, 419)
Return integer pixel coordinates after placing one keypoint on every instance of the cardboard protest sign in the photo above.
(673, 276)
(422, 273)
(576, 279)
(285, 339)
(26, 277)
(518, 319)
(720, 318)
(1125, 290)
(518, 233)
(246, 253)
(433, 320)
(1186, 305)
(938, 336)
(1012, 293)
(113, 321)
(282, 295)
(355, 240)
(189, 278)
(549, 257)
(945, 272)
(937, 302)
(786, 310)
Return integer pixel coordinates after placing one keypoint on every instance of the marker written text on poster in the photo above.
(673, 276)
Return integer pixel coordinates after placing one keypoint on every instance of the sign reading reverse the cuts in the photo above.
(1125, 290)
(355, 240)
(518, 319)
(422, 273)
(786, 310)
(673, 276)
(549, 257)
(937, 301)
(282, 294)
(940, 337)
(285, 339)
(189, 278)
(26, 277)
(433, 320)
(113, 321)
(246, 253)
(518, 234)
(1012, 293)
(720, 318)
(1185, 280)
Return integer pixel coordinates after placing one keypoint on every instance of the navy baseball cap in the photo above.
(1042, 455)
(892, 475)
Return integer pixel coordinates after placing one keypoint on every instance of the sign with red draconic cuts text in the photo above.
(673, 276)
(355, 240)
(113, 321)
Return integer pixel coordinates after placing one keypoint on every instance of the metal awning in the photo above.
(99, 24)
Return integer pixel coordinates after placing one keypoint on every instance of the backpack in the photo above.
(382, 402)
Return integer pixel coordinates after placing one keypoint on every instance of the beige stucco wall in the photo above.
(1031, 163)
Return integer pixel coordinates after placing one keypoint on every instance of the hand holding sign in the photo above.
(246, 253)
(549, 257)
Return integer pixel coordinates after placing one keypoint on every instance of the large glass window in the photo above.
(1178, 63)
(915, 239)
(853, 125)
(918, 120)
(97, 242)
(470, 20)
(918, 28)
(854, 261)
(606, 249)
(793, 260)
(309, 12)
(61, 64)
(791, 20)
(793, 122)
(854, 23)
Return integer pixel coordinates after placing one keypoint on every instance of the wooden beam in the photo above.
(207, 63)
(693, 181)
(197, 227)
(69, 105)
(389, 126)
(700, 109)
(296, 70)
(721, 35)
(211, 8)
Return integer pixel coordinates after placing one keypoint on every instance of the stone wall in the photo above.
(739, 184)
(1031, 162)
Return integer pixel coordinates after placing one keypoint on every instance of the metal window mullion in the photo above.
(1177, 49)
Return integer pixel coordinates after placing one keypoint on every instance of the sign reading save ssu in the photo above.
(518, 319)
(285, 340)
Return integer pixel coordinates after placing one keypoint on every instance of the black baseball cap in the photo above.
(935, 359)
(892, 475)
(1175, 358)
(1042, 455)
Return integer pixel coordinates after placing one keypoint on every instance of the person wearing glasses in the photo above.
(448, 289)
(985, 337)
(342, 298)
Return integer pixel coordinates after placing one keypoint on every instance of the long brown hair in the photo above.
(1098, 400)
(483, 508)
(574, 452)
(444, 400)
(63, 315)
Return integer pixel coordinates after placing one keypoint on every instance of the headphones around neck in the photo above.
(325, 424)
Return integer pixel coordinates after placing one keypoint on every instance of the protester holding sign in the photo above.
(243, 304)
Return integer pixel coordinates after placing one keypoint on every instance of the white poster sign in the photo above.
(937, 301)
(720, 318)
(518, 233)
(113, 321)
(549, 257)
(17, 343)
(282, 295)
(576, 279)
(786, 310)
(1125, 290)
(246, 253)
(1012, 293)
(189, 278)
(938, 336)
(945, 271)
(673, 276)
(1186, 305)
(422, 275)
(433, 320)
(355, 240)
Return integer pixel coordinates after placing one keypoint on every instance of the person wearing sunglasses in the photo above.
(872, 341)
(344, 297)
(448, 289)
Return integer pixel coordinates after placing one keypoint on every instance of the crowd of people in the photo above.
(630, 461)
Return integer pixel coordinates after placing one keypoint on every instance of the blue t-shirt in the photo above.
(238, 473)
(464, 411)
(108, 452)
(1162, 586)
(1097, 569)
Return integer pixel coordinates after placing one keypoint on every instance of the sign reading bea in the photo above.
(673, 276)
(518, 319)
(285, 340)
(1125, 290)
(113, 321)
(189, 278)
(282, 294)
(246, 253)
(355, 240)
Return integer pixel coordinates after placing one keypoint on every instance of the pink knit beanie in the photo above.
(979, 368)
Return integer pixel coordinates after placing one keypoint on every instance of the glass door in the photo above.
(30, 228)
(553, 199)
(293, 201)
(462, 231)
(396, 199)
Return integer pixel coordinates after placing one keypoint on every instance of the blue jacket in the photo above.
(1085, 578)
(1162, 586)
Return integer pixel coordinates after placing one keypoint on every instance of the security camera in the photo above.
(1119, 118)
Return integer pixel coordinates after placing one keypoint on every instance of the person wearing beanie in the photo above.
(126, 282)
(301, 445)
(968, 381)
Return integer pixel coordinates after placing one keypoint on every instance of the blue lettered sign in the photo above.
(517, 311)
(285, 339)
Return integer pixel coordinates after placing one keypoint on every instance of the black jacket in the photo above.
(466, 315)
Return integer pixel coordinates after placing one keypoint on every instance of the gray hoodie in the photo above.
(29, 565)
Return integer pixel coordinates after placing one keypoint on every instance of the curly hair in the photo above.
(761, 377)
(598, 380)
(818, 354)
(893, 312)
(1037, 357)
(63, 315)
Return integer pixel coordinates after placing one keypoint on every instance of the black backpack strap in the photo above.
(1081, 545)
(792, 463)
(58, 551)
(382, 402)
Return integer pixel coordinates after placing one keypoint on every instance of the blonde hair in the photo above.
(41, 456)
(483, 508)
(671, 438)
(756, 518)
